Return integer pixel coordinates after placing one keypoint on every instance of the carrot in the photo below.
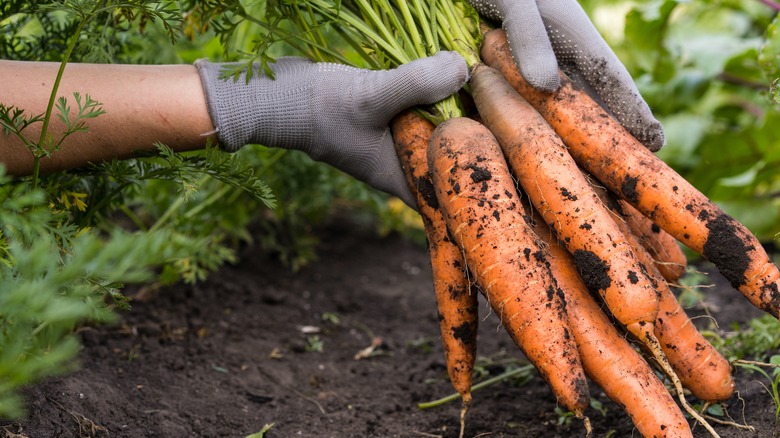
(602, 146)
(456, 302)
(480, 205)
(609, 360)
(553, 182)
(700, 367)
(567, 203)
(666, 253)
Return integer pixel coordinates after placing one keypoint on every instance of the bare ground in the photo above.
(227, 356)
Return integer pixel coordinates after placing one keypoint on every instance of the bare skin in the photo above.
(144, 104)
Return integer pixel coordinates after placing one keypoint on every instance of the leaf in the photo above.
(716, 409)
(711, 52)
(744, 179)
(14, 120)
(234, 71)
(774, 91)
(769, 54)
(262, 432)
(63, 110)
(684, 132)
(754, 368)
(645, 31)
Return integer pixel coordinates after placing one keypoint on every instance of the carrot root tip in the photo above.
(588, 426)
(463, 410)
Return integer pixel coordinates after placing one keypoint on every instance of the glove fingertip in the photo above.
(409, 200)
(535, 60)
(394, 183)
(445, 72)
(422, 81)
(653, 136)
(542, 75)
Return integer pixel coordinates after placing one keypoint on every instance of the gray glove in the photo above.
(545, 33)
(333, 113)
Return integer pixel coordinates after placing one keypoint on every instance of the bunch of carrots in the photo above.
(566, 224)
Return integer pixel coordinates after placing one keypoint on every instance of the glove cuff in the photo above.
(258, 112)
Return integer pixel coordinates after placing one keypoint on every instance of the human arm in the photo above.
(144, 104)
(546, 35)
(335, 114)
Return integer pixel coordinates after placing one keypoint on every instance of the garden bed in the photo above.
(256, 344)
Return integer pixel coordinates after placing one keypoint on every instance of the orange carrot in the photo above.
(700, 367)
(602, 146)
(603, 256)
(478, 200)
(567, 203)
(609, 360)
(457, 303)
(667, 255)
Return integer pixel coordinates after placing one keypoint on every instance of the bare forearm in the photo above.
(144, 104)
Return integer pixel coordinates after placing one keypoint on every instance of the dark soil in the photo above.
(225, 357)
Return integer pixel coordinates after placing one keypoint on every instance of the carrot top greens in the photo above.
(377, 34)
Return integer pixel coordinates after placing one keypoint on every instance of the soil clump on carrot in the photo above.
(726, 250)
(593, 270)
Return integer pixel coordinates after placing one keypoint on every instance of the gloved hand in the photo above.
(333, 113)
(544, 34)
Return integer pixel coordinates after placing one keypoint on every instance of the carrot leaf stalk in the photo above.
(387, 34)
(506, 375)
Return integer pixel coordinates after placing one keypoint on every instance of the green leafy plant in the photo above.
(564, 417)
(64, 256)
(261, 433)
(332, 318)
(754, 340)
(55, 278)
(315, 344)
(422, 344)
(773, 378)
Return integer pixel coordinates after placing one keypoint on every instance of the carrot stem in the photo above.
(483, 384)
